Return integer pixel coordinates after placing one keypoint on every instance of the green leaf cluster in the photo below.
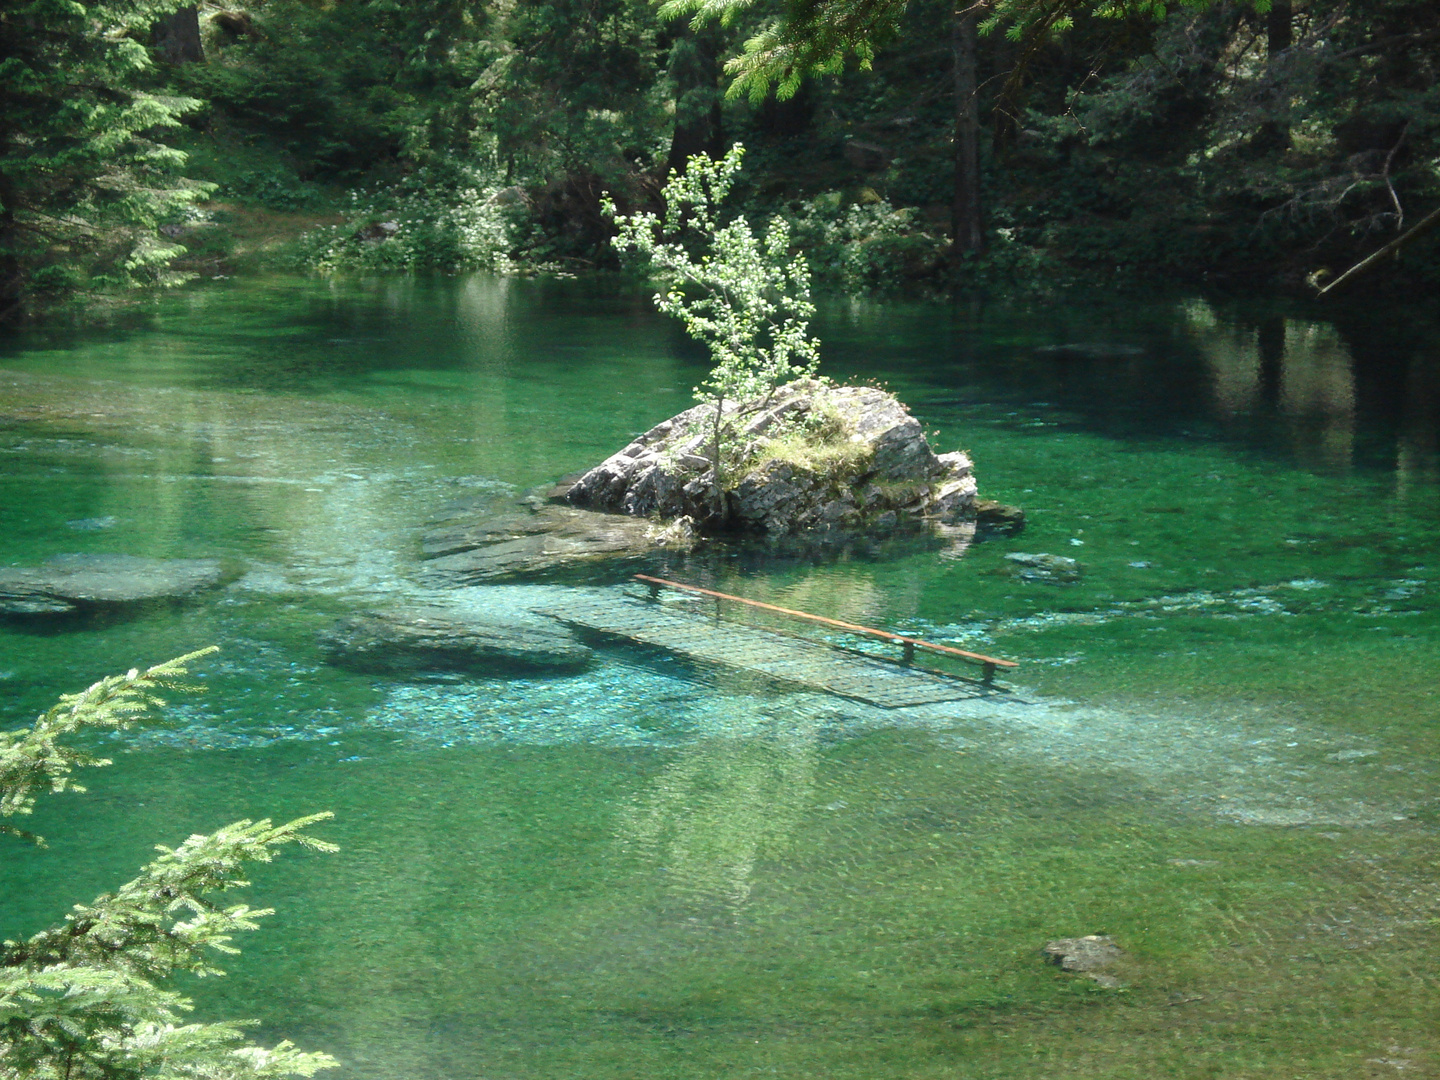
(745, 296)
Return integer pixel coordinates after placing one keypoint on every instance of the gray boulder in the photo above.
(450, 639)
(69, 583)
(809, 456)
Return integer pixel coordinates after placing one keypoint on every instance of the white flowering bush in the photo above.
(746, 297)
(461, 219)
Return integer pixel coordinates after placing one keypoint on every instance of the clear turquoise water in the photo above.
(1224, 756)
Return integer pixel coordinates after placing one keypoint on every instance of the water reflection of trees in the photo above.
(1332, 393)
(1296, 374)
(725, 804)
(1417, 462)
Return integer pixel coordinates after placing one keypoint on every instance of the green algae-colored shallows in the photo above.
(1224, 759)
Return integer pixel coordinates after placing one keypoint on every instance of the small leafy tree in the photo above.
(83, 1000)
(746, 297)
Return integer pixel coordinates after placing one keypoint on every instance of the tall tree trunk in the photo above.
(694, 71)
(1279, 36)
(1279, 27)
(177, 37)
(966, 218)
(12, 272)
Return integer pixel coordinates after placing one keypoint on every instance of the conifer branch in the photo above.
(82, 1000)
(33, 759)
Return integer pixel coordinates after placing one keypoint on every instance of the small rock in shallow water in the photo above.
(94, 524)
(1350, 755)
(1043, 567)
(1087, 956)
(995, 518)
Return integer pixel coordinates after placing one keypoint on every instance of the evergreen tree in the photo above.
(85, 182)
(84, 1000)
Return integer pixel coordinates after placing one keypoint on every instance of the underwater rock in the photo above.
(995, 518)
(94, 524)
(807, 456)
(449, 639)
(492, 544)
(1055, 569)
(69, 583)
(1088, 956)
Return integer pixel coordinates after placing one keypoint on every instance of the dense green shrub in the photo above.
(866, 245)
(448, 220)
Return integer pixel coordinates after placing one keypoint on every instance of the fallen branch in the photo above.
(1428, 222)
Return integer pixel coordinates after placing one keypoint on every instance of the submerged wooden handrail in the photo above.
(990, 663)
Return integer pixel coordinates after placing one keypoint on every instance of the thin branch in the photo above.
(1385, 43)
(1385, 175)
(1392, 248)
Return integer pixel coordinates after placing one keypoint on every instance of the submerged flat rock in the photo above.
(450, 638)
(517, 543)
(68, 583)
(1056, 569)
(1089, 956)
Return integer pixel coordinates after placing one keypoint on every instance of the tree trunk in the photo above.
(694, 71)
(177, 37)
(1279, 27)
(719, 487)
(966, 219)
(1274, 133)
(12, 272)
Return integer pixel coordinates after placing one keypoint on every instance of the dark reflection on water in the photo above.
(1326, 389)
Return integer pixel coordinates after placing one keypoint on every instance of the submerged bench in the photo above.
(770, 653)
(908, 644)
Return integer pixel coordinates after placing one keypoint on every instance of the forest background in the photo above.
(908, 145)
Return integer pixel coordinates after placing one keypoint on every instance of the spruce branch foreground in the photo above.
(84, 1000)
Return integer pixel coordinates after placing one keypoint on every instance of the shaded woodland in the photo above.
(916, 147)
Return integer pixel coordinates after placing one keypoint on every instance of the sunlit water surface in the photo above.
(1220, 749)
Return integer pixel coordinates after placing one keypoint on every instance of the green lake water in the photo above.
(1221, 749)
